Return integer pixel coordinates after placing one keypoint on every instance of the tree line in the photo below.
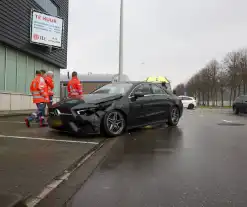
(218, 81)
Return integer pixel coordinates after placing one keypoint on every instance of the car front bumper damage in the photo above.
(77, 123)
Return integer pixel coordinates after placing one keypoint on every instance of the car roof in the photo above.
(186, 96)
(241, 96)
(133, 82)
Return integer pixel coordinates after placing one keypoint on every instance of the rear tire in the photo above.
(235, 110)
(174, 116)
(191, 106)
(114, 123)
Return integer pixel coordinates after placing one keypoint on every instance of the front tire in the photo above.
(191, 106)
(114, 123)
(235, 110)
(174, 116)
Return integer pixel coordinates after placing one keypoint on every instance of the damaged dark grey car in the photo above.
(116, 107)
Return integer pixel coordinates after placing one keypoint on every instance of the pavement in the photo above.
(201, 162)
(33, 158)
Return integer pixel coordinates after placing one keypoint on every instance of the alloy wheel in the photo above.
(175, 115)
(115, 122)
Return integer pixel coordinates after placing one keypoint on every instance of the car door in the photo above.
(162, 103)
(243, 104)
(140, 108)
(186, 101)
(239, 102)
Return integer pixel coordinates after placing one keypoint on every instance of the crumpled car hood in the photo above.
(100, 98)
(94, 100)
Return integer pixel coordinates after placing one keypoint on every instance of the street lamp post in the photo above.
(120, 63)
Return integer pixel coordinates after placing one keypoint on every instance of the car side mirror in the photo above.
(138, 94)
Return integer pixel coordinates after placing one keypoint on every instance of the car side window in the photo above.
(244, 98)
(239, 99)
(157, 90)
(187, 98)
(143, 88)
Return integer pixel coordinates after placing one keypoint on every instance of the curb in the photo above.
(62, 195)
(11, 114)
(34, 200)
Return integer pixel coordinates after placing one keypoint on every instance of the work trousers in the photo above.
(40, 112)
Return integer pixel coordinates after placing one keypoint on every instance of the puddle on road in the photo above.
(230, 124)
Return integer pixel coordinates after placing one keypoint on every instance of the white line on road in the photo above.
(16, 122)
(13, 122)
(227, 121)
(46, 139)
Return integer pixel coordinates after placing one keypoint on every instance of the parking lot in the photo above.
(32, 157)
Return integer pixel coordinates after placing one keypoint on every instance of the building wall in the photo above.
(15, 18)
(17, 69)
(88, 87)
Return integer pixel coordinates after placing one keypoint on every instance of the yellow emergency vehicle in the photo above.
(160, 80)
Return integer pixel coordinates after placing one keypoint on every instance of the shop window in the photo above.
(11, 70)
(57, 81)
(30, 73)
(48, 6)
(2, 67)
(21, 72)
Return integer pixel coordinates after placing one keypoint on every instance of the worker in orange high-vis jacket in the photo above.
(39, 92)
(74, 87)
(50, 86)
(43, 74)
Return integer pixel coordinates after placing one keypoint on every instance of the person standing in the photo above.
(50, 85)
(74, 87)
(38, 90)
(43, 74)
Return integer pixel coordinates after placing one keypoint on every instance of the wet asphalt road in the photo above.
(202, 162)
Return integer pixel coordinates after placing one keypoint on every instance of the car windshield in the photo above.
(114, 88)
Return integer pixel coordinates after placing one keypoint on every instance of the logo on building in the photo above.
(36, 36)
(42, 38)
(46, 29)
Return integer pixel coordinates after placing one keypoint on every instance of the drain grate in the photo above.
(231, 124)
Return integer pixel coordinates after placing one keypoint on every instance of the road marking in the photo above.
(33, 201)
(13, 122)
(227, 121)
(16, 122)
(46, 139)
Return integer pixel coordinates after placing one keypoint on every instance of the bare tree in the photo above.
(212, 73)
(216, 79)
(231, 64)
(222, 81)
(180, 89)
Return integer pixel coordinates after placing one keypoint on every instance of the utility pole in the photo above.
(120, 63)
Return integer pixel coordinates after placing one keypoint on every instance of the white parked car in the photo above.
(188, 102)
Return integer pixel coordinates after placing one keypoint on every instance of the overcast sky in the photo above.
(161, 37)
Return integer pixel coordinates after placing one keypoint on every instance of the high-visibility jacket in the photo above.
(39, 91)
(74, 88)
(50, 85)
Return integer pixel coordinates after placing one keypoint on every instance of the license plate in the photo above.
(57, 123)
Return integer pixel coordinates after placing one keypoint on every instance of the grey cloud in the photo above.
(172, 38)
